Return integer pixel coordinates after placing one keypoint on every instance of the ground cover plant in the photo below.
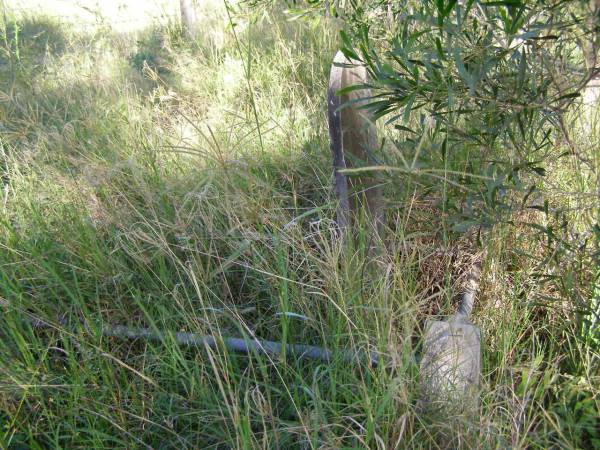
(154, 180)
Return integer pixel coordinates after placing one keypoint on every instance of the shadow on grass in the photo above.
(155, 55)
(35, 36)
(26, 44)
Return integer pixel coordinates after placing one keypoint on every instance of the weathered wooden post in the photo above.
(353, 139)
(188, 17)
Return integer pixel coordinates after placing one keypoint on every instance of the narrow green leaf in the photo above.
(347, 48)
(448, 8)
(503, 3)
(408, 108)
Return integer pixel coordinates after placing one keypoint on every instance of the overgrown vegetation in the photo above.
(185, 186)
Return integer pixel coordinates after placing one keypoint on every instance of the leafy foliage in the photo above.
(487, 80)
(479, 94)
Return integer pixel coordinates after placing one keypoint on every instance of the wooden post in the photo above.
(353, 139)
(589, 47)
(188, 17)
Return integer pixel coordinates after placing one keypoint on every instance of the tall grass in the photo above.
(137, 190)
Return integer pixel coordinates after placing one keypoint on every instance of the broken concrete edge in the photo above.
(450, 369)
(452, 359)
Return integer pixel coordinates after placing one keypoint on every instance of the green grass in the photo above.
(185, 186)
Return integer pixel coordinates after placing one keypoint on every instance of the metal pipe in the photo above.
(237, 345)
